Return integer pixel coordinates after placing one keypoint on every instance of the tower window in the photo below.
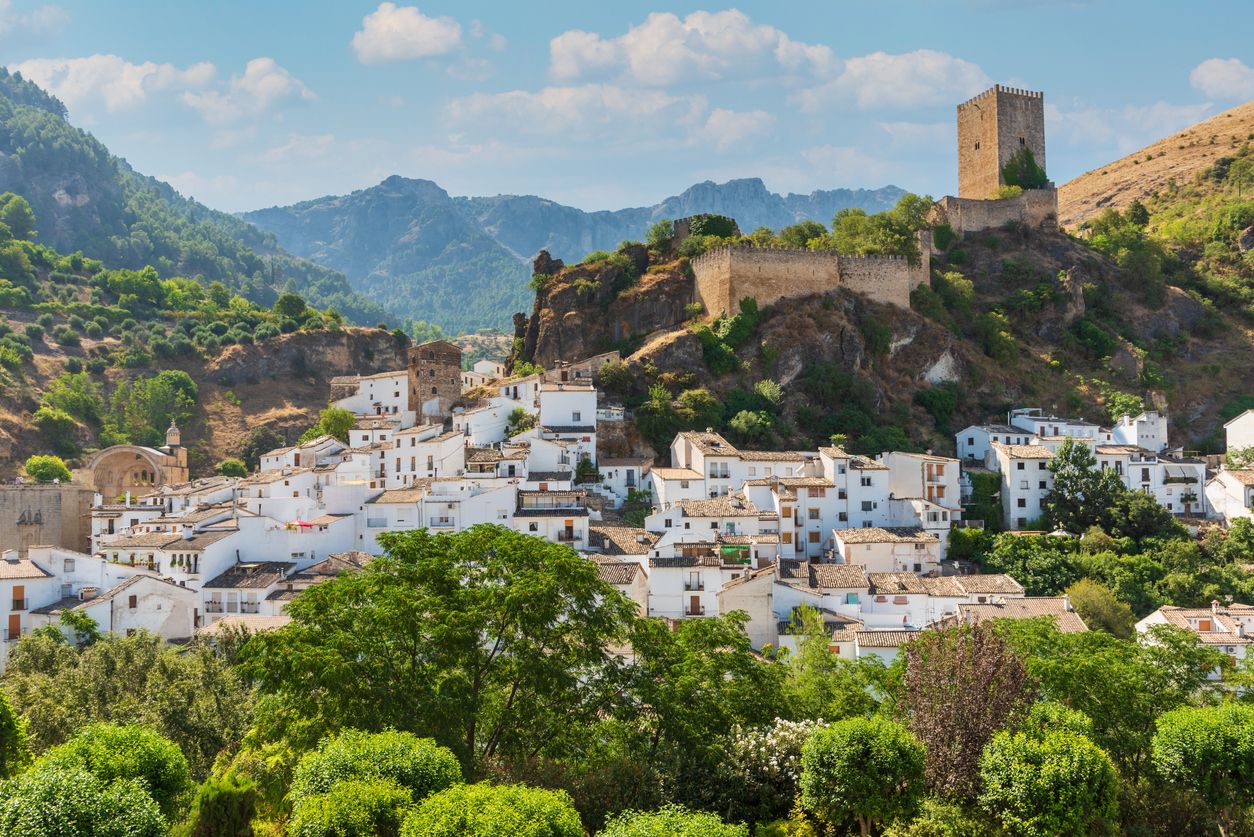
(1021, 142)
(977, 145)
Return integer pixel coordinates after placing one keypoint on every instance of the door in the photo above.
(15, 626)
(694, 605)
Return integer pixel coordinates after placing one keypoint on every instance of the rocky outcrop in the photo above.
(311, 354)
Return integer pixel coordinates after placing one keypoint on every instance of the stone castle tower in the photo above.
(435, 379)
(991, 127)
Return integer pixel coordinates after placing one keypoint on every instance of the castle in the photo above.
(991, 127)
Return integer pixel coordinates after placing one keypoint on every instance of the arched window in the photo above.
(433, 390)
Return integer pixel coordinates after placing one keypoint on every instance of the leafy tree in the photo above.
(259, 440)
(800, 235)
(821, 685)
(75, 803)
(418, 765)
(187, 695)
(76, 394)
(520, 421)
(865, 769)
(1210, 751)
(289, 305)
(16, 214)
(660, 235)
(1049, 715)
(761, 771)
(332, 421)
(47, 469)
(14, 748)
(232, 467)
(1137, 214)
(57, 427)
(1137, 515)
(751, 426)
(1045, 565)
(1082, 492)
(222, 807)
(1056, 782)
(352, 806)
(699, 409)
(1021, 170)
(709, 224)
(670, 821)
(960, 686)
(1100, 609)
(489, 641)
(112, 753)
(141, 410)
(485, 810)
(1241, 457)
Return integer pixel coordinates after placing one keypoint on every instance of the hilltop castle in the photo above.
(991, 128)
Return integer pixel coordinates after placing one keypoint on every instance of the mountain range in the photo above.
(461, 262)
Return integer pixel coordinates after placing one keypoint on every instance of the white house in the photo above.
(1228, 629)
(888, 550)
(1239, 432)
(1025, 481)
(24, 586)
(1033, 420)
(487, 424)
(383, 394)
(243, 588)
(1147, 430)
(1230, 494)
(973, 442)
(558, 516)
(141, 602)
(425, 452)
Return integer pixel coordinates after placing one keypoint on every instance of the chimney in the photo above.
(86, 593)
(10, 555)
(1066, 603)
(187, 531)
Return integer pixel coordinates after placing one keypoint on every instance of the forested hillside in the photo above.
(88, 200)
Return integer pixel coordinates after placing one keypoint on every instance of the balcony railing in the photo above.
(694, 611)
(567, 537)
(697, 586)
(249, 607)
(20, 604)
(213, 607)
(14, 636)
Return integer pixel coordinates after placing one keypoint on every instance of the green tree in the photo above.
(751, 425)
(699, 409)
(960, 685)
(141, 410)
(112, 753)
(332, 421)
(869, 770)
(259, 440)
(660, 235)
(232, 467)
(47, 469)
(800, 235)
(57, 427)
(76, 394)
(1210, 751)
(222, 807)
(520, 421)
(1082, 492)
(73, 803)
(1137, 515)
(418, 765)
(670, 821)
(1241, 457)
(1137, 214)
(1022, 170)
(1056, 782)
(289, 305)
(16, 214)
(489, 641)
(187, 695)
(1100, 609)
(821, 685)
(485, 810)
(351, 807)
(14, 747)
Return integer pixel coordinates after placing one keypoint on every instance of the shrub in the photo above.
(1022, 170)
(671, 821)
(65, 336)
(75, 803)
(45, 320)
(34, 331)
(73, 365)
(93, 330)
(418, 765)
(232, 467)
(485, 810)
(222, 807)
(942, 236)
(265, 331)
(14, 752)
(112, 753)
(352, 806)
(878, 337)
(46, 469)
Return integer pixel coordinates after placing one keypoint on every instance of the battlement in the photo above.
(729, 273)
(1001, 88)
(992, 127)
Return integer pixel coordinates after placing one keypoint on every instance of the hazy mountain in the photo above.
(462, 262)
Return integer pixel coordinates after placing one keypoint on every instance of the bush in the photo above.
(14, 751)
(350, 807)
(222, 807)
(75, 803)
(93, 330)
(65, 336)
(232, 467)
(485, 810)
(45, 320)
(73, 365)
(671, 821)
(112, 753)
(34, 331)
(418, 765)
(46, 469)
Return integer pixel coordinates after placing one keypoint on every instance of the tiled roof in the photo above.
(399, 495)
(806, 482)
(996, 583)
(1068, 621)
(1220, 618)
(249, 622)
(21, 568)
(1024, 451)
(676, 474)
(619, 572)
(772, 455)
(834, 453)
(333, 565)
(862, 463)
(1245, 476)
(251, 575)
(709, 443)
(884, 639)
(887, 534)
(548, 476)
(144, 540)
(1115, 450)
(837, 576)
(476, 456)
(885, 584)
(725, 506)
(621, 540)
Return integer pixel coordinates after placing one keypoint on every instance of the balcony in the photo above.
(14, 636)
(213, 607)
(689, 610)
(569, 537)
(694, 586)
(21, 604)
(249, 607)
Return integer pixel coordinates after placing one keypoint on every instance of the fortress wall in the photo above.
(767, 274)
(1034, 208)
(881, 278)
(712, 272)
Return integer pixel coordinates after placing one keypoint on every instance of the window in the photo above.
(818, 492)
(575, 417)
(683, 483)
(69, 565)
(1021, 141)
(533, 527)
(866, 482)
(1023, 523)
(753, 471)
(843, 517)
(814, 514)
(1019, 466)
(977, 145)
(714, 524)
(1040, 466)
(1022, 503)
(867, 505)
(132, 602)
(667, 523)
(786, 537)
(1203, 624)
(813, 537)
(970, 441)
(1023, 485)
(841, 494)
(1041, 484)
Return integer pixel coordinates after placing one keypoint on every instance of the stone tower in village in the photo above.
(991, 127)
(435, 379)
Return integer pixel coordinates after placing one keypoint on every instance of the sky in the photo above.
(603, 105)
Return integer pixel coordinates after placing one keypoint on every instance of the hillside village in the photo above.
(864, 539)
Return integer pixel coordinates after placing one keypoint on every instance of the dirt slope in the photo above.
(1180, 157)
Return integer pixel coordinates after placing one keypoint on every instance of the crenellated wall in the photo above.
(725, 275)
(1034, 208)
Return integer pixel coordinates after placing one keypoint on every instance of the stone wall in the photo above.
(726, 275)
(991, 127)
(435, 379)
(52, 515)
(1034, 208)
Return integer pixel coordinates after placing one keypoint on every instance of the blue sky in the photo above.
(604, 105)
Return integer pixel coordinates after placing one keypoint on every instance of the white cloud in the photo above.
(43, 20)
(263, 84)
(908, 79)
(666, 49)
(608, 114)
(1126, 129)
(728, 128)
(117, 82)
(204, 189)
(1223, 78)
(402, 33)
(299, 147)
(919, 135)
